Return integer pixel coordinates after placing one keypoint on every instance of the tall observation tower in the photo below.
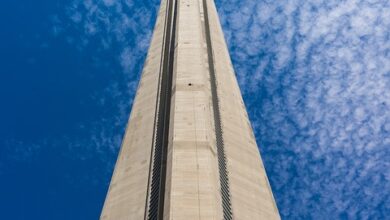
(189, 151)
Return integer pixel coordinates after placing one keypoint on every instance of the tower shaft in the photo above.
(189, 151)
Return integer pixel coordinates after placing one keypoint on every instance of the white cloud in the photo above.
(109, 2)
(317, 80)
(317, 77)
(121, 29)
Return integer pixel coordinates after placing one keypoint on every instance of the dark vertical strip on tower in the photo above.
(223, 173)
(158, 172)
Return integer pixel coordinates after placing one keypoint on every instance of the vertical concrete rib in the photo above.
(251, 195)
(126, 197)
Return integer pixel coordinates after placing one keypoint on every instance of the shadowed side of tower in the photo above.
(189, 151)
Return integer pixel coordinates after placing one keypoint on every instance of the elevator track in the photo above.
(223, 173)
(160, 149)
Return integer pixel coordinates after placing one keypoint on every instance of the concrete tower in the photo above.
(189, 151)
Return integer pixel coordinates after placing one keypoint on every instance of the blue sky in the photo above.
(315, 76)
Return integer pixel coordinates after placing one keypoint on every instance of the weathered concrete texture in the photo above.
(192, 190)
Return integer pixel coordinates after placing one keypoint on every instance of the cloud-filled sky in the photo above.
(315, 76)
